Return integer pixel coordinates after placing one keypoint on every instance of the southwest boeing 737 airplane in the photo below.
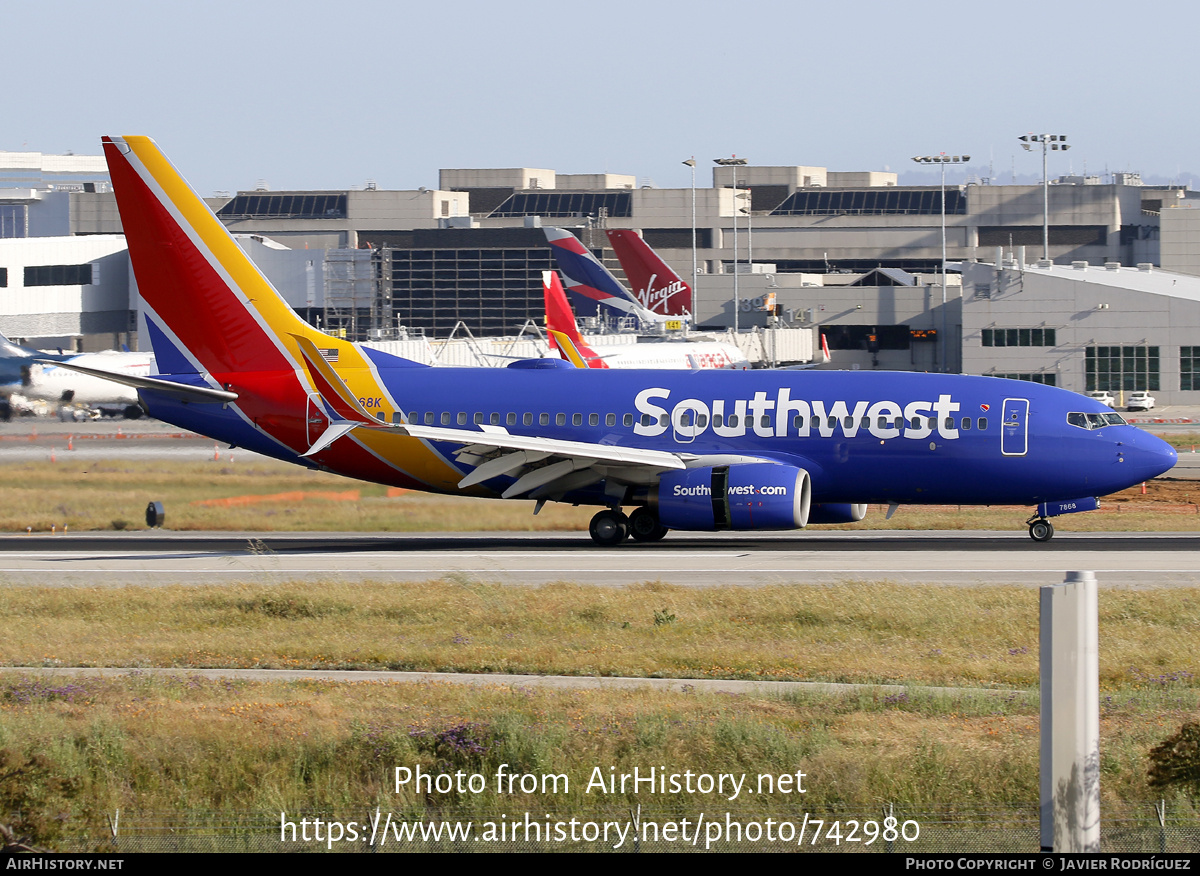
(699, 450)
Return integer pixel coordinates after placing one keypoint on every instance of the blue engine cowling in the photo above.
(826, 512)
(756, 495)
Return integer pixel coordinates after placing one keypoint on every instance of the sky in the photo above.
(313, 95)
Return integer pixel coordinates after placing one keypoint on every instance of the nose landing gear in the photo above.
(1040, 529)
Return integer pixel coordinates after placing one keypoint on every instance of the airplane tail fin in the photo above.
(656, 286)
(564, 332)
(9, 350)
(591, 287)
(209, 308)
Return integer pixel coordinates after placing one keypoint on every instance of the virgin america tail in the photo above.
(656, 286)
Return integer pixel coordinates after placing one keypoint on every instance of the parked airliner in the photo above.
(565, 337)
(686, 450)
(656, 286)
(35, 374)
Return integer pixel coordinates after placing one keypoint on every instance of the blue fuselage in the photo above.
(863, 437)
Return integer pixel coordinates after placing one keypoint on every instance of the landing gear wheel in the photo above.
(609, 528)
(644, 525)
(1041, 530)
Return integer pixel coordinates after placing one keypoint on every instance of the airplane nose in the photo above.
(1149, 456)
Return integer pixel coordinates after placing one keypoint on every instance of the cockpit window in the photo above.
(1095, 421)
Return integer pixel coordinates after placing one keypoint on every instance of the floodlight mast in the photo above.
(943, 159)
(1055, 142)
(734, 161)
(691, 162)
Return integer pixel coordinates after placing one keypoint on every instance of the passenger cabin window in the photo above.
(982, 423)
(610, 420)
(560, 419)
(966, 423)
(462, 418)
(543, 419)
(511, 419)
(445, 418)
(478, 417)
(576, 419)
(628, 419)
(593, 419)
(397, 417)
(527, 419)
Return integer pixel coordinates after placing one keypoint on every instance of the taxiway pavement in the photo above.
(156, 558)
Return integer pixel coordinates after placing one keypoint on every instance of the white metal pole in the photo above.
(695, 291)
(945, 364)
(737, 301)
(1045, 203)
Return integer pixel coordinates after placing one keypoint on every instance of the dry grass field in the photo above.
(72, 750)
(260, 494)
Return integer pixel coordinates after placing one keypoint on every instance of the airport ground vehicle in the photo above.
(1139, 400)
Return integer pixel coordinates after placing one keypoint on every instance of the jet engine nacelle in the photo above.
(756, 495)
(826, 512)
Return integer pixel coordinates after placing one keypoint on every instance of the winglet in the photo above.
(561, 326)
(567, 348)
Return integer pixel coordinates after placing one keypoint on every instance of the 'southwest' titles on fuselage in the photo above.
(782, 416)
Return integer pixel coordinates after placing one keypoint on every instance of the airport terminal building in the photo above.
(851, 255)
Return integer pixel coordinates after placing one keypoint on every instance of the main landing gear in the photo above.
(1040, 529)
(611, 527)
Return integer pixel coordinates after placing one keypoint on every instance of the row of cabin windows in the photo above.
(814, 422)
(446, 418)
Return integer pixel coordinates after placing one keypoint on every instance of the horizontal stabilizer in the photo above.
(169, 387)
(333, 433)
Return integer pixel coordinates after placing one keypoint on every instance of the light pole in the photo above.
(943, 159)
(691, 162)
(734, 161)
(1048, 141)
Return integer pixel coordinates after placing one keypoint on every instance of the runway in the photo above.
(1133, 560)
